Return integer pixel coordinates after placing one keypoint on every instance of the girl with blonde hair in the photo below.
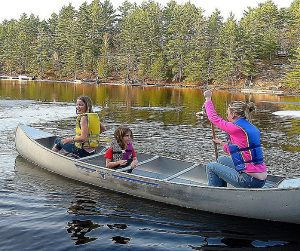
(87, 131)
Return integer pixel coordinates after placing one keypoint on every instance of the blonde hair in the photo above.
(88, 103)
(242, 109)
(120, 133)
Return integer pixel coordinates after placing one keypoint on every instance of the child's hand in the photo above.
(122, 162)
(134, 163)
(66, 140)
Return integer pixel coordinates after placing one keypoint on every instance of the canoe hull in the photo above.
(268, 203)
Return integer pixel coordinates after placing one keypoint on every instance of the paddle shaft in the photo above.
(214, 137)
(213, 132)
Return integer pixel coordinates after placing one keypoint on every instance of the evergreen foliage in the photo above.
(150, 42)
(293, 75)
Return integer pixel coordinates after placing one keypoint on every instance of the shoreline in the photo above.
(239, 87)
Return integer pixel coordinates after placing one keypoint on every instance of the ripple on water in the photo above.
(30, 112)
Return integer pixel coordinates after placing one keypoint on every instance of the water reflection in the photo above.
(120, 240)
(82, 206)
(130, 102)
(97, 215)
(79, 229)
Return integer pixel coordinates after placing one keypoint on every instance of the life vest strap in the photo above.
(245, 149)
(119, 152)
(255, 161)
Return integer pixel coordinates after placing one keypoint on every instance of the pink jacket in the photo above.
(236, 134)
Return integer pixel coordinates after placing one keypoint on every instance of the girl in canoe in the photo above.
(88, 129)
(121, 152)
(245, 167)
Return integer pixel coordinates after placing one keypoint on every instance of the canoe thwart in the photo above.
(181, 172)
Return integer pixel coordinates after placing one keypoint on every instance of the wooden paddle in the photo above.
(201, 115)
(214, 137)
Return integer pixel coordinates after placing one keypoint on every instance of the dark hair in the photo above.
(242, 109)
(88, 102)
(119, 133)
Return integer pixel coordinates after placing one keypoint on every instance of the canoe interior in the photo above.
(47, 142)
(160, 168)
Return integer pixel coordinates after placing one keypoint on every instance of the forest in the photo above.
(148, 43)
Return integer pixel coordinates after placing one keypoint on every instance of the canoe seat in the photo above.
(196, 175)
(96, 159)
(149, 174)
(290, 183)
(273, 181)
(47, 142)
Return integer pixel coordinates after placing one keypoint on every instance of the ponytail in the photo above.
(242, 109)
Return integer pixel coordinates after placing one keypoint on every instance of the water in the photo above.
(42, 211)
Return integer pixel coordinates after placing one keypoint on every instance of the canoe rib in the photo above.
(127, 168)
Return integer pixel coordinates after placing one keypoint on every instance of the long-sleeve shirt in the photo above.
(237, 136)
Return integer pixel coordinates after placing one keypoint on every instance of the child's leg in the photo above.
(68, 147)
(57, 145)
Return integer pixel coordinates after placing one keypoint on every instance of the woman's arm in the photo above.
(217, 120)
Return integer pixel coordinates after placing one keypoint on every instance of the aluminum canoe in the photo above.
(166, 180)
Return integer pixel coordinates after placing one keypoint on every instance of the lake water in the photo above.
(42, 211)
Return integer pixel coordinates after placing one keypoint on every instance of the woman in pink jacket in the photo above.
(244, 167)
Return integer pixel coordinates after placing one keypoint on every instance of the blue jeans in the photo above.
(71, 148)
(223, 171)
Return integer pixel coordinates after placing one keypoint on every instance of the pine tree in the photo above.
(139, 39)
(26, 44)
(293, 26)
(227, 67)
(293, 75)
(67, 50)
(9, 55)
(97, 31)
(150, 42)
(54, 47)
(103, 67)
(83, 32)
(196, 64)
(213, 35)
(43, 50)
(180, 31)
